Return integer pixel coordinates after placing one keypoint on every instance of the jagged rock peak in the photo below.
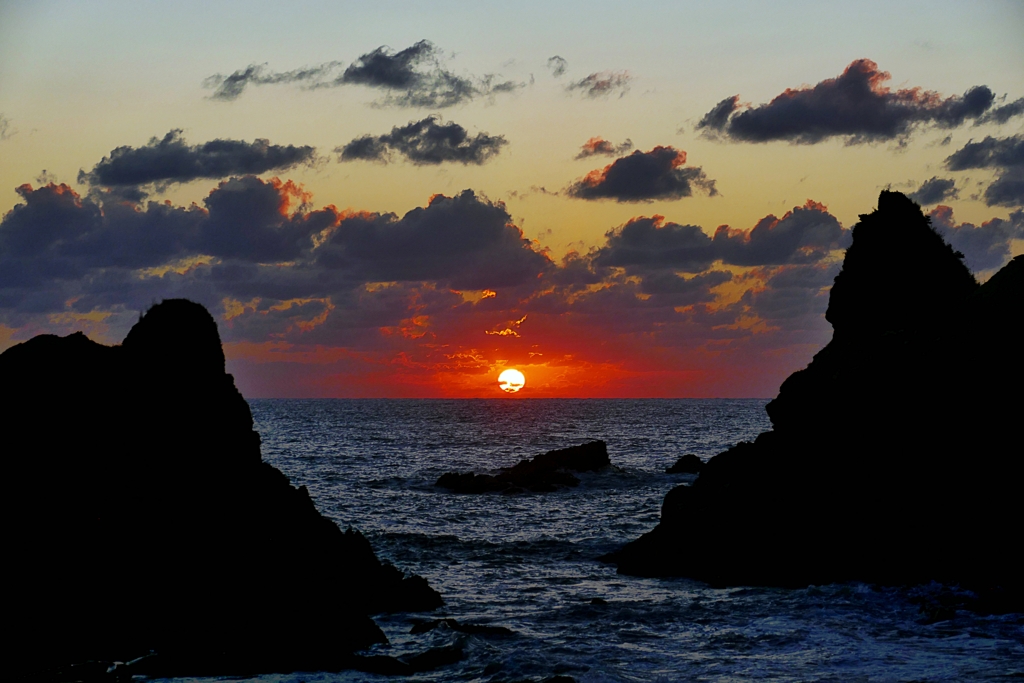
(897, 273)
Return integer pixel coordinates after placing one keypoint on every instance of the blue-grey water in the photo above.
(527, 562)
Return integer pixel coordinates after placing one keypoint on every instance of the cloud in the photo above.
(807, 234)
(989, 153)
(985, 247)
(644, 176)
(172, 160)
(5, 128)
(228, 88)
(557, 65)
(934, 190)
(602, 84)
(1004, 154)
(464, 240)
(425, 142)
(413, 77)
(322, 301)
(855, 105)
(718, 118)
(1003, 113)
(598, 145)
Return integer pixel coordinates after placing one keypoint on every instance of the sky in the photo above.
(401, 199)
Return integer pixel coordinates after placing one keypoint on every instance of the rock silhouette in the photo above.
(547, 472)
(687, 464)
(894, 457)
(141, 521)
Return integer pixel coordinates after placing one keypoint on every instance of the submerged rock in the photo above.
(894, 456)
(547, 472)
(687, 464)
(140, 516)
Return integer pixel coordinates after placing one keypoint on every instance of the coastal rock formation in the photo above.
(141, 519)
(547, 472)
(894, 457)
(687, 464)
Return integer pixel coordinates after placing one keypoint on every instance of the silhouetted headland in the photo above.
(895, 456)
(140, 518)
(547, 472)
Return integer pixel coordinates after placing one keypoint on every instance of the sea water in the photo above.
(528, 562)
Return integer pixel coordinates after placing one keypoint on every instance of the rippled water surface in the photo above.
(527, 562)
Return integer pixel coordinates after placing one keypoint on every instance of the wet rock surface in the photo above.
(142, 524)
(894, 456)
(547, 472)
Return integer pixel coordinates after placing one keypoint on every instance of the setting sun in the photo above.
(511, 381)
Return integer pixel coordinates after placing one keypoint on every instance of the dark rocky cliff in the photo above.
(895, 456)
(140, 517)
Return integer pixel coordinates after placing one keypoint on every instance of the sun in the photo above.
(511, 381)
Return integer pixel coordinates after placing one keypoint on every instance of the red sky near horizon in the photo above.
(411, 216)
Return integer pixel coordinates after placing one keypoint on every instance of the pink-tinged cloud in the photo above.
(436, 302)
(596, 146)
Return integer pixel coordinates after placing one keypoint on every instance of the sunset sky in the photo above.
(399, 199)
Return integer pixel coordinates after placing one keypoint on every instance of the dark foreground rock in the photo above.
(139, 518)
(895, 456)
(547, 472)
(687, 464)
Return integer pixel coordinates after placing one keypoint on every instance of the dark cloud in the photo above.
(383, 68)
(172, 160)
(598, 145)
(644, 176)
(793, 297)
(5, 128)
(1004, 113)
(934, 190)
(855, 105)
(463, 240)
(804, 235)
(420, 292)
(557, 65)
(228, 88)
(244, 218)
(1004, 154)
(985, 247)
(602, 84)
(989, 153)
(1007, 189)
(717, 119)
(413, 77)
(428, 142)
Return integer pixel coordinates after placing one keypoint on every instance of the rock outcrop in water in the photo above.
(687, 464)
(547, 472)
(895, 456)
(140, 517)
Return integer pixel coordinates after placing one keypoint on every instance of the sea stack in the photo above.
(894, 457)
(141, 520)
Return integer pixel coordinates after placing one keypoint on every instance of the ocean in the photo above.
(527, 562)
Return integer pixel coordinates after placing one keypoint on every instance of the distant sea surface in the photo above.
(527, 562)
